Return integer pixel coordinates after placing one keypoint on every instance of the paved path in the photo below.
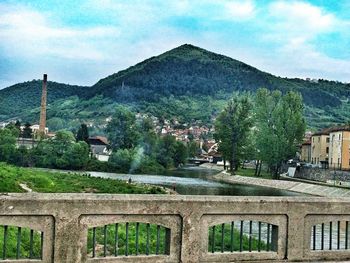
(300, 187)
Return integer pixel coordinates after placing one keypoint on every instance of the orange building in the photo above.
(320, 147)
(339, 148)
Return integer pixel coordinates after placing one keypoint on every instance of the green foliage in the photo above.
(232, 129)
(8, 139)
(192, 149)
(18, 99)
(121, 130)
(27, 131)
(61, 152)
(138, 149)
(83, 133)
(122, 159)
(280, 126)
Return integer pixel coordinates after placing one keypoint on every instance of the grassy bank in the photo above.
(11, 178)
(251, 173)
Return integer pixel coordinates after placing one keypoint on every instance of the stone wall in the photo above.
(323, 175)
(65, 220)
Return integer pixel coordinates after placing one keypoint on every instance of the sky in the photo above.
(82, 41)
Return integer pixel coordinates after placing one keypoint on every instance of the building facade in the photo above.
(339, 148)
(99, 148)
(306, 152)
(320, 147)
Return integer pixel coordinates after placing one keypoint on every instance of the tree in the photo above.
(193, 148)
(122, 159)
(13, 129)
(27, 131)
(83, 133)
(181, 154)
(7, 145)
(121, 130)
(166, 151)
(232, 128)
(61, 152)
(280, 126)
(148, 138)
(75, 157)
(18, 125)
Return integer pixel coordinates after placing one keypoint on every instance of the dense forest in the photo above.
(187, 82)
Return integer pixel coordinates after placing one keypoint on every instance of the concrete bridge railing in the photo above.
(149, 228)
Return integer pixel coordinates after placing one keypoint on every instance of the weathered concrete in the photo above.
(65, 218)
(300, 187)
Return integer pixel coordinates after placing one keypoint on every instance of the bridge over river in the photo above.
(173, 228)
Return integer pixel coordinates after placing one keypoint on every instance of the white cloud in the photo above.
(27, 33)
(298, 22)
(237, 10)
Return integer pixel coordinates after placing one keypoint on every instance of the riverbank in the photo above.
(299, 187)
(17, 179)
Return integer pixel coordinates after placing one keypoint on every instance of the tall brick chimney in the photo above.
(43, 106)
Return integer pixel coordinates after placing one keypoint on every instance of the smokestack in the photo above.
(43, 106)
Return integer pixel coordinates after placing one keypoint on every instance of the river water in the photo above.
(194, 180)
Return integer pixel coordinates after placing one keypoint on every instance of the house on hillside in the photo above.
(99, 148)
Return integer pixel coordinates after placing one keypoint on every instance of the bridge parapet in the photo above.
(160, 228)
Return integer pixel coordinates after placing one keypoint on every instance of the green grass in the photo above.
(24, 247)
(49, 182)
(142, 240)
(236, 240)
(250, 173)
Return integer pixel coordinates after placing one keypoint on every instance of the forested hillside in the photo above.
(187, 82)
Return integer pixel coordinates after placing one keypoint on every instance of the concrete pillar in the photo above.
(69, 237)
(191, 238)
(295, 247)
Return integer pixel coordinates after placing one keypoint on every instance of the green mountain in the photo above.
(188, 82)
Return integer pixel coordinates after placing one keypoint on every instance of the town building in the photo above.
(99, 148)
(320, 147)
(339, 148)
(28, 143)
(306, 151)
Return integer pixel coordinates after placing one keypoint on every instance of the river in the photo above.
(194, 180)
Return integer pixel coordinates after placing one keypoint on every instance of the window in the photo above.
(331, 160)
(339, 136)
(327, 140)
(319, 138)
(327, 150)
(338, 160)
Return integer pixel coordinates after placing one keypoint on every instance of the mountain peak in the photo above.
(187, 49)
